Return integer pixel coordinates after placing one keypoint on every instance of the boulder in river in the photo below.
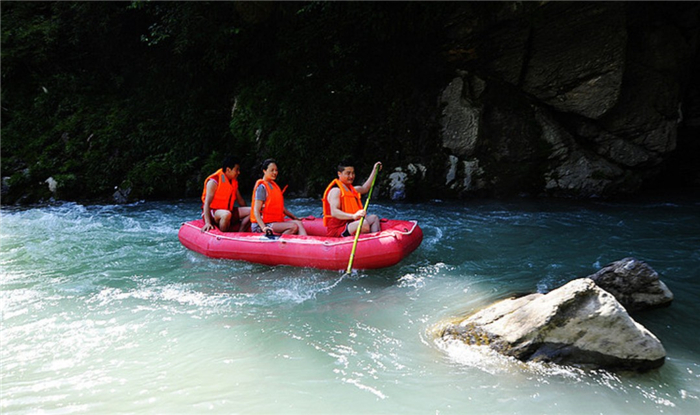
(576, 324)
(634, 284)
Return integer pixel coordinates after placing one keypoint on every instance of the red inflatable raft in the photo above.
(395, 241)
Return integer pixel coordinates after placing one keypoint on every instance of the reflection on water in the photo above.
(104, 311)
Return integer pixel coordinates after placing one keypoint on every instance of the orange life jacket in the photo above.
(350, 201)
(273, 206)
(226, 192)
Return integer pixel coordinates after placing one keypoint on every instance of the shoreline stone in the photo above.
(634, 284)
(577, 324)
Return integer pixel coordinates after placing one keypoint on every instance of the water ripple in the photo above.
(100, 303)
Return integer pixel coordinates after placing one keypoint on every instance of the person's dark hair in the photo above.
(345, 163)
(230, 162)
(265, 164)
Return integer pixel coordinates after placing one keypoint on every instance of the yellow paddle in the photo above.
(359, 228)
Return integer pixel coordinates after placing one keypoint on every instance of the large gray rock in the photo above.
(496, 35)
(460, 120)
(584, 174)
(580, 74)
(577, 324)
(634, 284)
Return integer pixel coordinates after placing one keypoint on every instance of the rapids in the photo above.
(103, 311)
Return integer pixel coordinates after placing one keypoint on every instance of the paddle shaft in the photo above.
(359, 228)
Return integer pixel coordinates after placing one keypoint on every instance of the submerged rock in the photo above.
(634, 284)
(577, 324)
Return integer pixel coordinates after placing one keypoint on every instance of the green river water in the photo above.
(104, 311)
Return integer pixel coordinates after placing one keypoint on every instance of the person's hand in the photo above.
(267, 229)
(378, 166)
(207, 227)
(359, 214)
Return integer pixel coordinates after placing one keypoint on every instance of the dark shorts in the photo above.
(255, 228)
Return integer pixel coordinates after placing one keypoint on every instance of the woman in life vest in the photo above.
(268, 205)
(342, 206)
(218, 198)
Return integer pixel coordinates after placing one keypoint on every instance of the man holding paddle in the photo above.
(342, 207)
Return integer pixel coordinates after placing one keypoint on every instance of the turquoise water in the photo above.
(103, 311)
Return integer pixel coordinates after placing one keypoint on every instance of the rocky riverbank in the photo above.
(457, 99)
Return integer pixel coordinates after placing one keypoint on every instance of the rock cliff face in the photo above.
(458, 99)
(575, 99)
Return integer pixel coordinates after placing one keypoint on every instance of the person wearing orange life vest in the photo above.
(268, 209)
(342, 205)
(219, 196)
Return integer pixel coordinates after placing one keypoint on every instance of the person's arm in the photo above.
(290, 214)
(258, 217)
(206, 209)
(368, 183)
(336, 212)
(239, 199)
(259, 199)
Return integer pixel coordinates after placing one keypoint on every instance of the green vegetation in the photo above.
(150, 95)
